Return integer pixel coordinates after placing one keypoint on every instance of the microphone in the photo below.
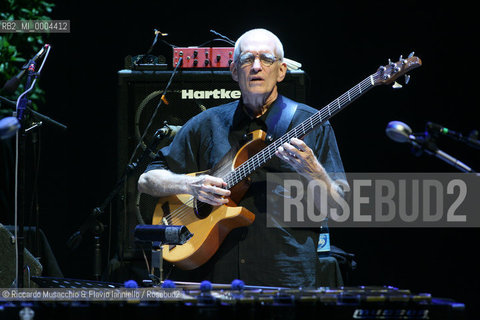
(168, 131)
(8, 127)
(166, 234)
(12, 84)
(401, 132)
(436, 129)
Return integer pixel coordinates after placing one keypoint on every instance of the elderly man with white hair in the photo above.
(255, 254)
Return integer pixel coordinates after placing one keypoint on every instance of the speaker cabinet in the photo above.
(188, 94)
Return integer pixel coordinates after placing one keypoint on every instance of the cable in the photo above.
(223, 37)
(212, 40)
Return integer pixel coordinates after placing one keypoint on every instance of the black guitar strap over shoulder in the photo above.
(280, 116)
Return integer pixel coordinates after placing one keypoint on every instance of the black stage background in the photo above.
(339, 44)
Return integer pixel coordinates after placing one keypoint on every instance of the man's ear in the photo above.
(282, 72)
(233, 71)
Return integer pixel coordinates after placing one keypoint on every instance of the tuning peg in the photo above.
(411, 54)
(407, 78)
(396, 85)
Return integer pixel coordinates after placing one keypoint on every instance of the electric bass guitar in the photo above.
(210, 225)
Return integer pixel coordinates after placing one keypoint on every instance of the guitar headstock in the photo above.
(393, 70)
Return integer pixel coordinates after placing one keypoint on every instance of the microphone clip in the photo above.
(423, 142)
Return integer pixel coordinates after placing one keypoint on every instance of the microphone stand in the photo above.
(21, 107)
(37, 114)
(92, 224)
(427, 144)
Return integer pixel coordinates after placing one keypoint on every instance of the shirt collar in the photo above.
(269, 116)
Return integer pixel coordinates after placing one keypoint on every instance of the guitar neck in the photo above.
(262, 157)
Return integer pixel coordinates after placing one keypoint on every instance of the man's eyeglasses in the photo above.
(266, 59)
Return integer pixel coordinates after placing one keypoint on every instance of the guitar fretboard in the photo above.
(262, 157)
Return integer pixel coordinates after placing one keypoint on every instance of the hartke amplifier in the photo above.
(190, 93)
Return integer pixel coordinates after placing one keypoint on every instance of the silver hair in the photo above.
(278, 44)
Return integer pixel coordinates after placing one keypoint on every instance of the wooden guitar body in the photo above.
(209, 225)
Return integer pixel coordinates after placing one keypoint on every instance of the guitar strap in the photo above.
(280, 116)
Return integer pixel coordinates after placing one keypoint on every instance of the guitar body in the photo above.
(209, 225)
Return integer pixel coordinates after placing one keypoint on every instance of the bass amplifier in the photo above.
(190, 93)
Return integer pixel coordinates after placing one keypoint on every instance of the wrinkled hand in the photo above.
(300, 157)
(209, 189)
